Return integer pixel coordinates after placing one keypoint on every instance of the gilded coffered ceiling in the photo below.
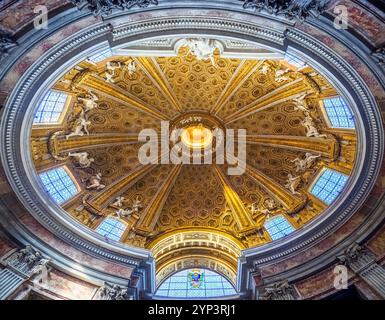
(277, 103)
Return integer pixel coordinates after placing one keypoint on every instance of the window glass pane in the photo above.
(196, 283)
(294, 61)
(111, 228)
(100, 56)
(329, 185)
(58, 184)
(339, 113)
(50, 108)
(278, 227)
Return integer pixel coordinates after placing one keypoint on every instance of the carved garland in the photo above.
(105, 7)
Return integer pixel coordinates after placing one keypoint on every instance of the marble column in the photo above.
(20, 266)
(363, 263)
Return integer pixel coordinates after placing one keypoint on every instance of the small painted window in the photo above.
(339, 113)
(111, 228)
(196, 283)
(50, 108)
(100, 56)
(278, 227)
(329, 185)
(298, 63)
(59, 184)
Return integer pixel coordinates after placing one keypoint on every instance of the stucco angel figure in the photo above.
(311, 130)
(95, 182)
(292, 183)
(118, 202)
(81, 127)
(82, 158)
(303, 164)
(265, 69)
(126, 213)
(90, 102)
(280, 75)
(110, 74)
(131, 67)
(201, 48)
(301, 103)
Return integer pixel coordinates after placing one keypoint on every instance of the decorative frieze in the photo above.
(105, 7)
(6, 44)
(363, 263)
(299, 9)
(379, 56)
(27, 261)
(21, 266)
(279, 291)
(113, 292)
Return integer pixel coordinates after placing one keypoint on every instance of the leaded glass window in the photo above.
(196, 283)
(111, 228)
(50, 108)
(339, 113)
(329, 185)
(278, 227)
(59, 184)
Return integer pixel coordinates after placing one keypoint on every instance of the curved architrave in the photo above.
(323, 225)
(196, 261)
(211, 235)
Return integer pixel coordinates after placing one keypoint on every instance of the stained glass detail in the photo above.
(58, 184)
(329, 185)
(278, 227)
(50, 108)
(339, 113)
(196, 283)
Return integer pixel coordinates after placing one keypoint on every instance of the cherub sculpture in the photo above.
(265, 69)
(111, 67)
(89, 103)
(82, 158)
(311, 130)
(131, 67)
(280, 75)
(301, 104)
(303, 164)
(95, 183)
(201, 48)
(126, 213)
(292, 183)
(81, 127)
(118, 202)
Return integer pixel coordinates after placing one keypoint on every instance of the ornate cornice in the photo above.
(298, 9)
(279, 291)
(105, 7)
(14, 115)
(6, 44)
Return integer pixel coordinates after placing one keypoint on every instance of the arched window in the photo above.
(111, 228)
(194, 283)
(59, 184)
(339, 113)
(100, 56)
(278, 227)
(329, 185)
(50, 108)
